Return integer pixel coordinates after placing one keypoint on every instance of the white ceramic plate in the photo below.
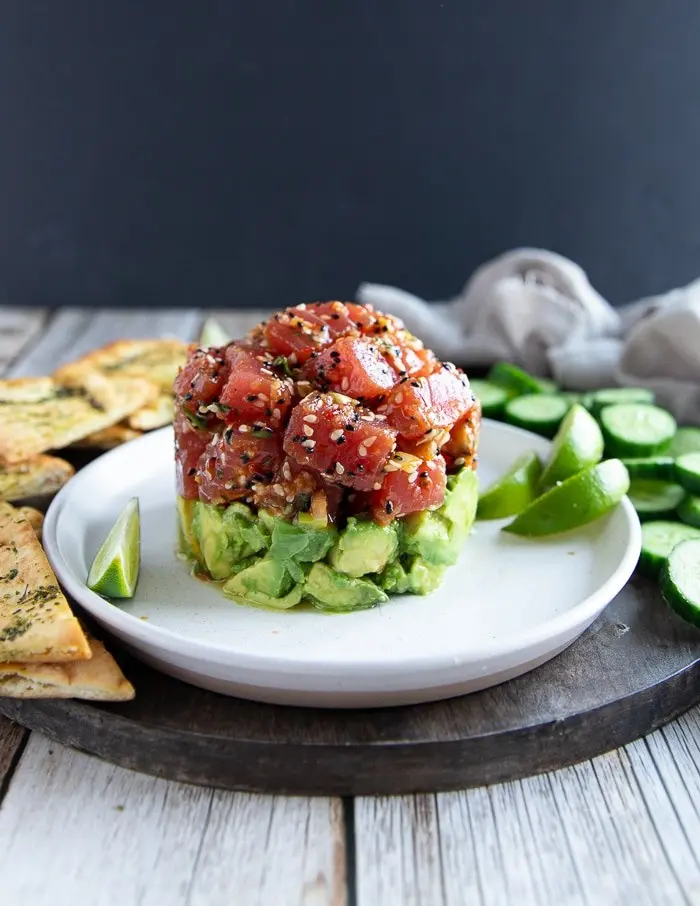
(506, 607)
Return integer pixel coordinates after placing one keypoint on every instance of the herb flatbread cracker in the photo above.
(98, 679)
(157, 361)
(38, 414)
(34, 517)
(108, 438)
(38, 477)
(36, 622)
(153, 415)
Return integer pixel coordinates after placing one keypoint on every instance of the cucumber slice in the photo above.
(689, 510)
(493, 398)
(540, 412)
(680, 580)
(655, 499)
(659, 537)
(634, 429)
(547, 385)
(686, 440)
(688, 472)
(662, 468)
(510, 377)
(612, 396)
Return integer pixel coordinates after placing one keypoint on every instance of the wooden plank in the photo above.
(104, 835)
(75, 331)
(18, 327)
(12, 737)
(259, 850)
(622, 828)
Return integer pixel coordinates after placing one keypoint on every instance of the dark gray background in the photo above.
(257, 152)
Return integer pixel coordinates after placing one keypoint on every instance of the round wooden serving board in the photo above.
(637, 667)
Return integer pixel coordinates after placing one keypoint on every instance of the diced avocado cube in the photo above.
(187, 538)
(429, 536)
(461, 499)
(416, 576)
(336, 592)
(213, 540)
(266, 583)
(364, 547)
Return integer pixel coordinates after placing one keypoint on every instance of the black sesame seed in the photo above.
(359, 467)
(422, 474)
(415, 383)
(252, 397)
(389, 507)
(191, 472)
(335, 316)
(341, 440)
(188, 396)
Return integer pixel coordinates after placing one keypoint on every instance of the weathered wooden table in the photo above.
(622, 828)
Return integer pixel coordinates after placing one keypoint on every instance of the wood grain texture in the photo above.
(107, 836)
(619, 829)
(637, 667)
(18, 327)
(74, 331)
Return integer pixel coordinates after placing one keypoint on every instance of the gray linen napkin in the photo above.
(538, 309)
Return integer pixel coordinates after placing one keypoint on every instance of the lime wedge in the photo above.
(115, 569)
(578, 445)
(581, 499)
(213, 334)
(512, 492)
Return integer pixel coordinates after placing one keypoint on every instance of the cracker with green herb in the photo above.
(157, 361)
(39, 414)
(34, 517)
(36, 622)
(99, 679)
(108, 438)
(37, 477)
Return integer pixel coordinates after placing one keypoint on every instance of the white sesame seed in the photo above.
(430, 465)
(263, 396)
(244, 428)
(278, 489)
(259, 404)
(391, 466)
(362, 450)
(377, 485)
(339, 468)
(368, 418)
(308, 430)
(228, 485)
(301, 306)
(382, 408)
(459, 461)
(289, 498)
(412, 476)
(344, 384)
(286, 471)
(292, 359)
(241, 481)
(336, 434)
(398, 399)
(370, 440)
(277, 414)
(325, 317)
(309, 445)
(310, 419)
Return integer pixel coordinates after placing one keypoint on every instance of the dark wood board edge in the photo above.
(363, 769)
(13, 739)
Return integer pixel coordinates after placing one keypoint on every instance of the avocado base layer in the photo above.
(265, 561)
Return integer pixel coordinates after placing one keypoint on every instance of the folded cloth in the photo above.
(539, 310)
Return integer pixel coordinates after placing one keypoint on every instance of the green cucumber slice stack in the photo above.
(680, 580)
(636, 429)
(659, 538)
(541, 413)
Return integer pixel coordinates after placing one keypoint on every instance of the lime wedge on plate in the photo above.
(512, 492)
(213, 334)
(578, 445)
(115, 569)
(581, 499)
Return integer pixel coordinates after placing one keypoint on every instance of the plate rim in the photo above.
(574, 620)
